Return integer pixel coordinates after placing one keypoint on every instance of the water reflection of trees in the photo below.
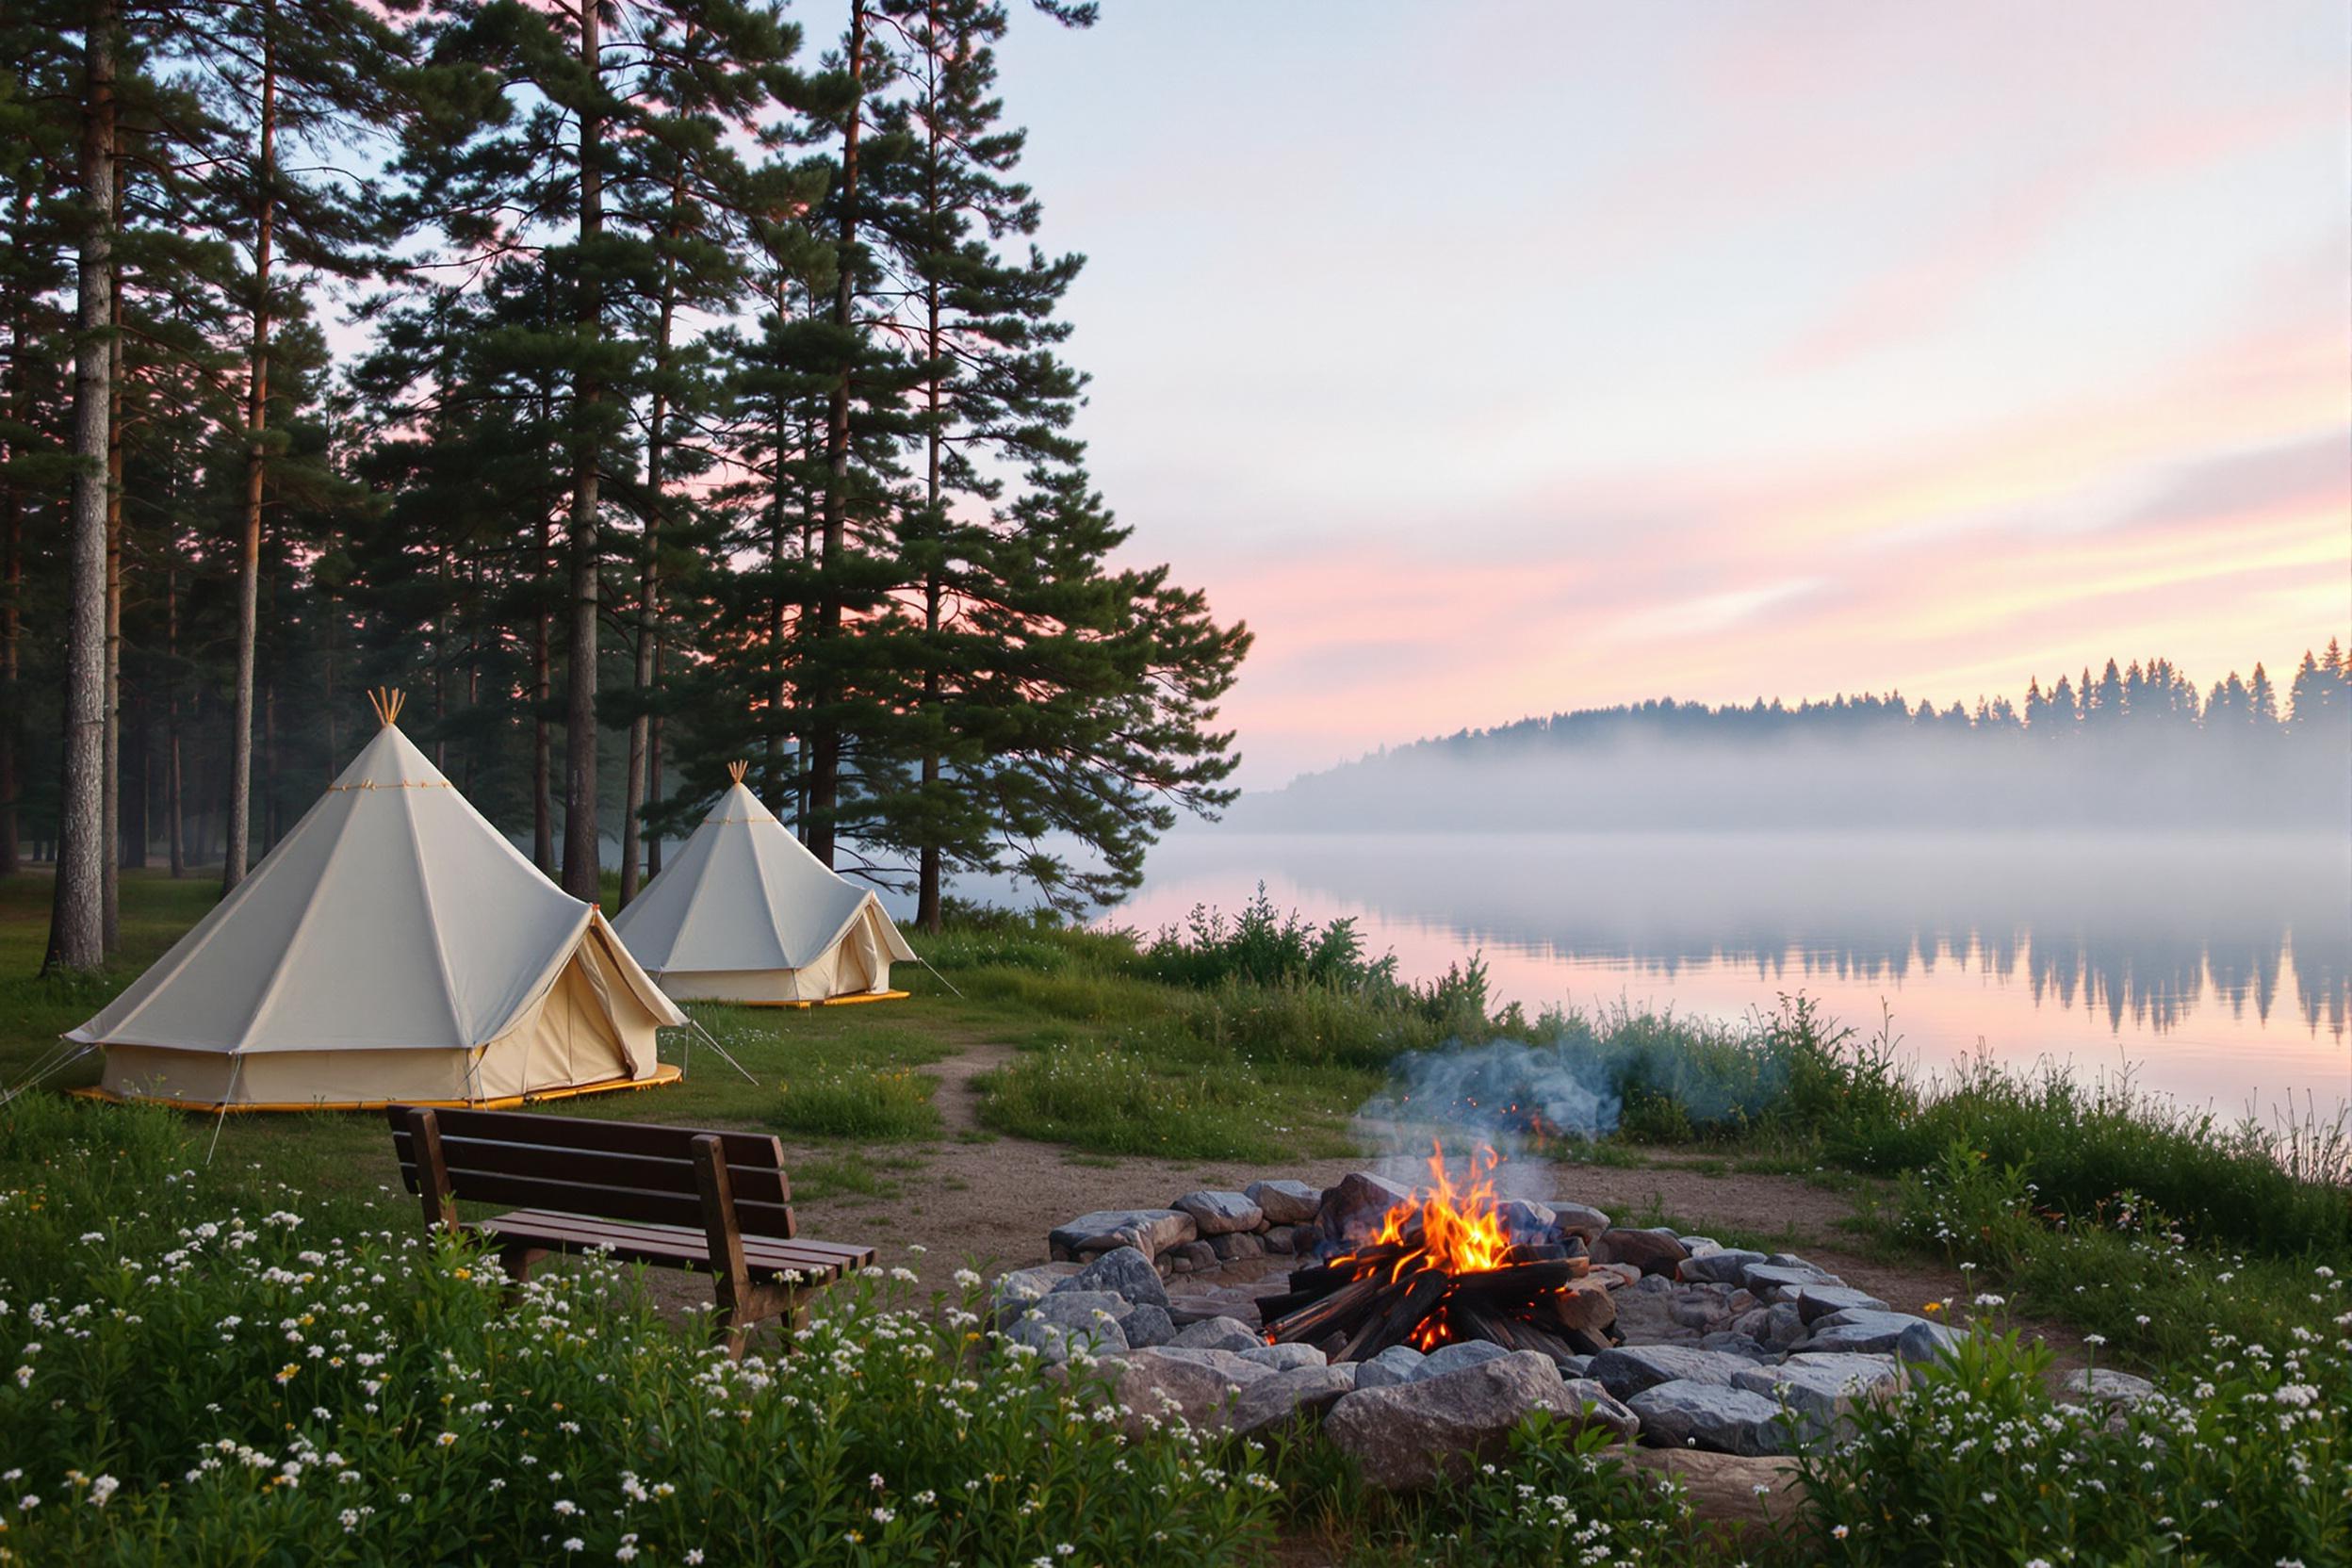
(2145, 935)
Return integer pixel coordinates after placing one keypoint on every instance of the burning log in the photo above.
(1442, 1267)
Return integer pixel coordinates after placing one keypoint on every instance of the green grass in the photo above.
(889, 1103)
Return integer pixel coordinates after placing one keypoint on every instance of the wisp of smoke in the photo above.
(1508, 1093)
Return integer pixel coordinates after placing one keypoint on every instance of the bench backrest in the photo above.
(602, 1169)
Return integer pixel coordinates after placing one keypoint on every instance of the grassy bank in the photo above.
(150, 1295)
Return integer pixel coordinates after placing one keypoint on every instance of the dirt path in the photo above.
(987, 1200)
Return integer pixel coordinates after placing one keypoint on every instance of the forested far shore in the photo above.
(2131, 747)
(638, 386)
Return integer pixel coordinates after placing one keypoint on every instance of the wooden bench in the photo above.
(718, 1203)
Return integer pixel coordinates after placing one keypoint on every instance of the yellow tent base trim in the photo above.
(835, 1001)
(664, 1074)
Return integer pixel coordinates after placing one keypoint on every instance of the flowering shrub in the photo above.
(2247, 1460)
(191, 1381)
(1560, 1496)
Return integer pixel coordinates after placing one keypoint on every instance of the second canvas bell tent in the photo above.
(745, 914)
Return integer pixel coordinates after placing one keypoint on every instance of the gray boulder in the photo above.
(1288, 1396)
(1825, 1389)
(1068, 1309)
(1525, 1219)
(1410, 1435)
(1454, 1356)
(1723, 1266)
(1055, 1337)
(1217, 1333)
(1214, 1214)
(1581, 1219)
(1284, 1358)
(1166, 1383)
(1284, 1202)
(1631, 1368)
(1819, 1300)
(1237, 1244)
(1395, 1364)
(1125, 1271)
(1192, 1256)
(1731, 1343)
(1147, 1325)
(1151, 1230)
(1714, 1417)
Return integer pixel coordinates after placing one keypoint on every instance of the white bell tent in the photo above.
(393, 947)
(746, 914)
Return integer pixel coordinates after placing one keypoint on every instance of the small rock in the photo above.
(1863, 1331)
(1287, 1395)
(1395, 1364)
(2098, 1385)
(1199, 1255)
(1284, 1358)
(1924, 1342)
(1454, 1356)
(1631, 1368)
(1151, 1230)
(1620, 1276)
(1014, 1293)
(1651, 1252)
(1215, 1213)
(1581, 1219)
(1410, 1435)
(1700, 1244)
(1217, 1333)
(1237, 1244)
(1279, 1240)
(1124, 1272)
(1732, 1343)
(1714, 1417)
(1284, 1202)
(1585, 1304)
(1056, 1339)
(1724, 1265)
(1523, 1220)
(1352, 1210)
(1147, 1325)
(1077, 1308)
(1819, 1300)
(1577, 1367)
(1773, 1282)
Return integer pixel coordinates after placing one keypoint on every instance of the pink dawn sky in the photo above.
(1492, 359)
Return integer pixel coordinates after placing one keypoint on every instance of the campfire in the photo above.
(1441, 1267)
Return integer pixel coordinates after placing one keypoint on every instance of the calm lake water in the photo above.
(2217, 970)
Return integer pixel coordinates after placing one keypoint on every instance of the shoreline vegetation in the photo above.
(235, 1361)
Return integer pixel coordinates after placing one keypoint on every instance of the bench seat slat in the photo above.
(667, 1244)
(605, 1203)
(673, 1171)
(554, 1130)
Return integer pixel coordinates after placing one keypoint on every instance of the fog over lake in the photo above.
(2219, 969)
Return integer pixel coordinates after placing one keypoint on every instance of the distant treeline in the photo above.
(2130, 745)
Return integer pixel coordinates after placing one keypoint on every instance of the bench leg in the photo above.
(743, 1306)
(516, 1260)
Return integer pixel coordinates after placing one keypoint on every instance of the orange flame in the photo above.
(1461, 1230)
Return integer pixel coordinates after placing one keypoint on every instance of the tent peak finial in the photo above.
(386, 701)
(737, 769)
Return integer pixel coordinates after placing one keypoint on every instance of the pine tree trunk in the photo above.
(927, 860)
(653, 771)
(825, 752)
(542, 744)
(174, 812)
(111, 770)
(649, 595)
(12, 567)
(580, 878)
(76, 933)
(256, 416)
